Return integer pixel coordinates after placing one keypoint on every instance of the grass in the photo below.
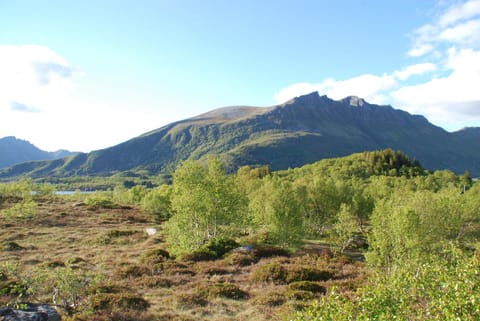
(135, 271)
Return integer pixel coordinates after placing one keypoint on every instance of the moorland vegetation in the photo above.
(371, 236)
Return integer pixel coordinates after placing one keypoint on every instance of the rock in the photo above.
(32, 312)
(151, 231)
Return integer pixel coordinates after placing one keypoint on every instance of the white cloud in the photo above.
(453, 97)
(33, 76)
(367, 86)
(413, 70)
(460, 12)
(464, 33)
(420, 50)
(459, 24)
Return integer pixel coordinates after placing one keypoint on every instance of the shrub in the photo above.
(112, 235)
(221, 246)
(118, 301)
(241, 259)
(213, 250)
(299, 295)
(189, 300)
(307, 286)
(154, 256)
(156, 282)
(296, 274)
(271, 299)
(201, 254)
(269, 251)
(222, 290)
(271, 272)
(285, 274)
(11, 247)
(100, 202)
(132, 271)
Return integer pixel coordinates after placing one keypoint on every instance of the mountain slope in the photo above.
(303, 130)
(14, 151)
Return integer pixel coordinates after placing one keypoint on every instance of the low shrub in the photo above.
(118, 301)
(100, 202)
(132, 271)
(199, 255)
(190, 300)
(271, 299)
(154, 256)
(299, 273)
(214, 249)
(271, 272)
(241, 259)
(284, 274)
(221, 246)
(307, 286)
(110, 236)
(222, 290)
(269, 251)
(156, 282)
(11, 247)
(215, 271)
(299, 295)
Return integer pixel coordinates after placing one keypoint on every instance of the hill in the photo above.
(14, 151)
(300, 131)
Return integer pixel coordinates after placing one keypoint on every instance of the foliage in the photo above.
(277, 206)
(444, 288)
(206, 204)
(222, 290)
(26, 209)
(158, 202)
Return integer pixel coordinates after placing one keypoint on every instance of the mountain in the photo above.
(303, 130)
(14, 151)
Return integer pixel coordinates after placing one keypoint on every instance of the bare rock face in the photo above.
(33, 312)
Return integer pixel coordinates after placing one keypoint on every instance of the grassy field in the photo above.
(112, 245)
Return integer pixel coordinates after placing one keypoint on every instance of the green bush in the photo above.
(100, 202)
(213, 250)
(284, 274)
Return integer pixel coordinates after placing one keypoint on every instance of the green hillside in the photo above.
(301, 131)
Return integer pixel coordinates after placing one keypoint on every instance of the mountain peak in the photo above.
(310, 98)
(354, 101)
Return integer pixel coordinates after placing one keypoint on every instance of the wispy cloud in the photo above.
(19, 107)
(443, 86)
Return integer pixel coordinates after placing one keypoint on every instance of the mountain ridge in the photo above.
(14, 151)
(300, 131)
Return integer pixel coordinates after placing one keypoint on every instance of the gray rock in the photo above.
(32, 312)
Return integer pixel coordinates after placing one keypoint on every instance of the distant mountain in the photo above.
(14, 151)
(303, 130)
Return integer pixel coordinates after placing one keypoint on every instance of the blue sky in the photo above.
(85, 75)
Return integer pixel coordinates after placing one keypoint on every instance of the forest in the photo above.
(370, 236)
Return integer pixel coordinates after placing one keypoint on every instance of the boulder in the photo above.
(32, 312)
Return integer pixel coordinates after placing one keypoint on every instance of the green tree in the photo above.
(206, 204)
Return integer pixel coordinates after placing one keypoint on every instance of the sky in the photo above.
(86, 75)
